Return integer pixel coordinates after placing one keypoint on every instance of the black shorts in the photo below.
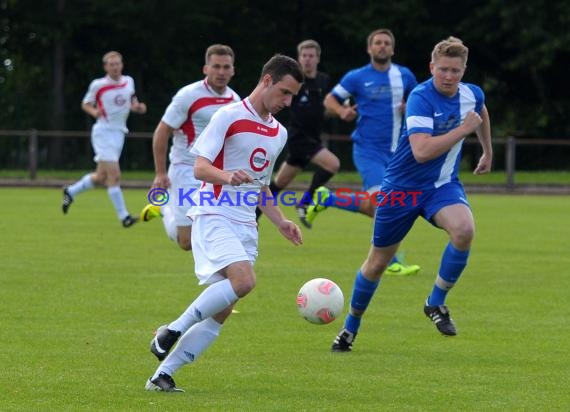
(301, 151)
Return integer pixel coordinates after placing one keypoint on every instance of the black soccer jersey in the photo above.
(307, 110)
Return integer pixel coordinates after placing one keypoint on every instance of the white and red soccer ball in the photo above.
(320, 301)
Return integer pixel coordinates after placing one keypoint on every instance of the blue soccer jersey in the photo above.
(428, 111)
(379, 96)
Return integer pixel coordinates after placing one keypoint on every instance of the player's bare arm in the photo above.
(286, 227)
(136, 106)
(484, 135)
(346, 113)
(204, 170)
(425, 147)
(160, 139)
(90, 110)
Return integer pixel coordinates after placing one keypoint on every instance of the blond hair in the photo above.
(309, 44)
(110, 54)
(450, 47)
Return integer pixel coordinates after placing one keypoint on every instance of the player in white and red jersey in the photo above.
(235, 154)
(109, 100)
(238, 129)
(184, 119)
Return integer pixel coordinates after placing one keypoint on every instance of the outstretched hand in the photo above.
(291, 232)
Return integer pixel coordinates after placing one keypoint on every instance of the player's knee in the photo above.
(112, 180)
(282, 182)
(367, 208)
(333, 165)
(373, 267)
(97, 180)
(184, 239)
(244, 284)
(462, 235)
(185, 244)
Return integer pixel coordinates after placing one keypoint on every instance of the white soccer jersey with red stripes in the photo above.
(189, 112)
(113, 99)
(238, 139)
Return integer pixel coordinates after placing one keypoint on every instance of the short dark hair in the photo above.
(280, 66)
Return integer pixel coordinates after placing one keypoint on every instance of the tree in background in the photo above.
(49, 50)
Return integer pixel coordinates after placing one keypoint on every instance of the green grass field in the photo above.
(561, 177)
(81, 296)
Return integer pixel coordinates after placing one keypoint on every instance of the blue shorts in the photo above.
(398, 210)
(370, 168)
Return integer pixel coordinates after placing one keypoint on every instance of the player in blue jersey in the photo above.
(440, 113)
(380, 90)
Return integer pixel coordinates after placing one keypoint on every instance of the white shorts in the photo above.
(217, 242)
(182, 180)
(107, 144)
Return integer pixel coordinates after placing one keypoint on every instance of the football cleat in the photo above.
(164, 339)
(343, 341)
(302, 214)
(149, 212)
(67, 201)
(320, 202)
(399, 269)
(441, 317)
(164, 383)
(129, 221)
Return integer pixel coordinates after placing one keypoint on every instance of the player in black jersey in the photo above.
(304, 144)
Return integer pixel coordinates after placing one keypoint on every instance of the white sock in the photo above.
(116, 196)
(213, 300)
(195, 341)
(169, 222)
(83, 184)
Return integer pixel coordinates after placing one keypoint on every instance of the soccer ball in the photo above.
(320, 301)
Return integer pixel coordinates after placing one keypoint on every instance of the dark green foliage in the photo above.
(517, 51)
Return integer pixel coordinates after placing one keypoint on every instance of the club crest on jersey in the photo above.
(120, 100)
(258, 159)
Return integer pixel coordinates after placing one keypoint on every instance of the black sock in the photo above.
(274, 188)
(320, 178)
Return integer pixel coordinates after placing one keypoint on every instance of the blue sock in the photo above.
(361, 295)
(452, 264)
(346, 201)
